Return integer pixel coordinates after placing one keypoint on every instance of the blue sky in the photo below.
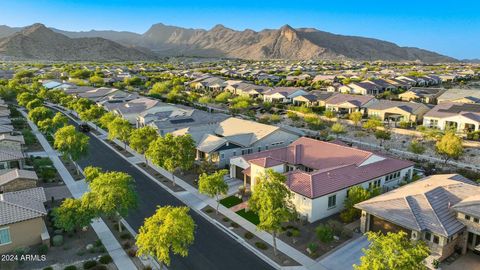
(451, 28)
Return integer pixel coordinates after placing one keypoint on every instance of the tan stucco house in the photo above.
(22, 219)
(442, 210)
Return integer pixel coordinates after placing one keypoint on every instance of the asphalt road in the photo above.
(212, 249)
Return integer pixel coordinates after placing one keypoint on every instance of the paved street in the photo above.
(212, 249)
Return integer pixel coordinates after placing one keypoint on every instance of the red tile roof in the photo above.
(335, 166)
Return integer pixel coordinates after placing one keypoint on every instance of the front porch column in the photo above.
(465, 242)
(364, 222)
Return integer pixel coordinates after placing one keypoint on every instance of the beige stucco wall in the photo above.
(18, 184)
(24, 234)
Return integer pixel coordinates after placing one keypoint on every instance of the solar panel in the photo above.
(180, 121)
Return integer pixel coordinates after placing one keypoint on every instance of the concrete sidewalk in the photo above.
(78, 188)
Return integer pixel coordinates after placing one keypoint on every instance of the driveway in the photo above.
(469, 261)
(345, 257)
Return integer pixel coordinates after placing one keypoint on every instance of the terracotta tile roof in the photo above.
(335, 166)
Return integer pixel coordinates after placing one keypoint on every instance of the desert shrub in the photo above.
(234, 224)
(125, 236)
(89, 264)
(313, 247)
(132, 253)
(324, 233)
(105, 259)
(249, 235)
(336, 226)
(261, 245)
(43, 249)
(57, 240)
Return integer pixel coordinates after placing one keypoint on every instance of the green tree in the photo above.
(91, 114)
(450, 146)
(223, 97)
(113, 193)
(81, 105)
(119, 129)
(91, 173)
(356, 117)
(59, 121)
(356, 194)
(329, 114)
(39, 114)
(338, 129)
(213, 185)
(372, 123)
(96, 80)
(416, 148)
(106, 119)
(141, 138)
(72, 214)
(46, 126)
(393, 251)
(161, 88)
(271, 200)
(34, 104)
(71, 143)
(169, 230)
(382, 135)
(24, 98)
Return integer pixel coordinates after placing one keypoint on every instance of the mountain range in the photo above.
(40, 42)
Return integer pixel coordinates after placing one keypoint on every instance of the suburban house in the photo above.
(460, 95)
(397, 111)
(132, 109)
(313, 98)
(282, 94)
(232, 137)
(22, 221)
(97, 93)
(320, 173)
(422, 94)
(16, 179)
(8, 141)
(208, 82)
(462, 117)
(442, 210)
(11, 158)
(347, 103)
(246, 89)
(166, 118)
(365, 88)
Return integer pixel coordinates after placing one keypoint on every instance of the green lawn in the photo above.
(250, 216)
(230, 201)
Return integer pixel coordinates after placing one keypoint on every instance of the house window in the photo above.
(467, 217)
(348, 191)
(475, 220)
(332, 201)
(436, 239)
(234, 153)
(5, 236)
(428, 236)
(222, 156)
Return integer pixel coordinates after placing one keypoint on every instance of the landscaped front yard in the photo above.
(230, 201)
